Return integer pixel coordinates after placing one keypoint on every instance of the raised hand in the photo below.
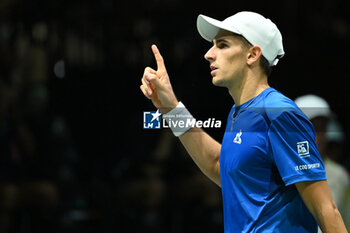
(156, 85)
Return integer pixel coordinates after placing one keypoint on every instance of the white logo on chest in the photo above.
(238, 138)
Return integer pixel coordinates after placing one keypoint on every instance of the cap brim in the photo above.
(208, 27)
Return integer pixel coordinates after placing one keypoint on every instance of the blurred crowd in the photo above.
(73, 154)
(61, 168)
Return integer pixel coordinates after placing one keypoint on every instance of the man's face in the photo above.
(227, 58)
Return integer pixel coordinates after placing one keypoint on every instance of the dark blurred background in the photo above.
(73, 154)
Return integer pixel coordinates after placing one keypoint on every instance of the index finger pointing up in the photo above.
(158, 57)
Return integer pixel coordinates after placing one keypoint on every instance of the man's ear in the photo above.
(253, 55)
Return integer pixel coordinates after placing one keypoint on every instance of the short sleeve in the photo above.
(294, 150)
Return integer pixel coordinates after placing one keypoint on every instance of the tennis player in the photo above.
(268, 166)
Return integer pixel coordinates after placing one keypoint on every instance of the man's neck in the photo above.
(249, 87)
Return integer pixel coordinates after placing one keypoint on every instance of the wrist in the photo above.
(179, 119)
(170, 107)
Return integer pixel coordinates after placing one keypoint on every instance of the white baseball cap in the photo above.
(313, 106)
(254, 27)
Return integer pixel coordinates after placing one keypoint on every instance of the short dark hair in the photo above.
(264, 63)
(265, 66)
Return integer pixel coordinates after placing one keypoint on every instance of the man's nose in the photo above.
(210, 55)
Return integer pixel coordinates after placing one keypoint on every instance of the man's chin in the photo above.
(217, 82)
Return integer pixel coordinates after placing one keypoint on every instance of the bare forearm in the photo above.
(318, 199)
(330, 220)
(204, 151)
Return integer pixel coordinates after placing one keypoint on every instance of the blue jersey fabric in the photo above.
(269, 144)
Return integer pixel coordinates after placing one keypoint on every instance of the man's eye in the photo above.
(222, 46)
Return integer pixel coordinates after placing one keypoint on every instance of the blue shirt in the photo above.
(269, 144)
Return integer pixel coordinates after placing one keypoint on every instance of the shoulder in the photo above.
(278, 107)
(275, 99)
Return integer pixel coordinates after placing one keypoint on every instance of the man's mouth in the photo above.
(213, 70)
(213, 67)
